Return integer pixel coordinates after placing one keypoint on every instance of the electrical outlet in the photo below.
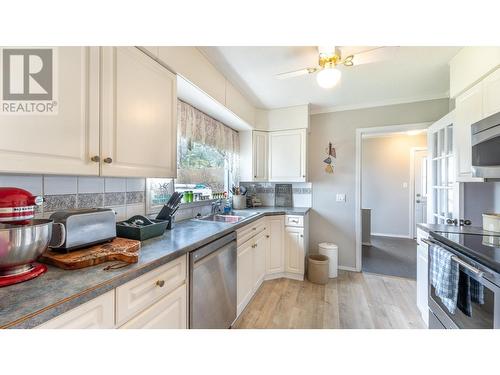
(340, 197)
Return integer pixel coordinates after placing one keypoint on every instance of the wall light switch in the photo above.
(405, 185)
(341, 198)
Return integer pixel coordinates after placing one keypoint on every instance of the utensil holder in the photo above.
(239, 202)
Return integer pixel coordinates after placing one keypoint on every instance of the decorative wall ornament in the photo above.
(331, 153)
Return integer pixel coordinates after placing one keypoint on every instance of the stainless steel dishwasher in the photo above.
(212, 284)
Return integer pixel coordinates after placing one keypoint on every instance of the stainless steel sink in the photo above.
(222, 218)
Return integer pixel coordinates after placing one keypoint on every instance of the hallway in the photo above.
(391, 256)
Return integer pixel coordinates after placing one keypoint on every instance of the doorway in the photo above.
(390, 172)
(418, 188)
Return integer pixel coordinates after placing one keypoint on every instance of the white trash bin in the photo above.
(332, 252)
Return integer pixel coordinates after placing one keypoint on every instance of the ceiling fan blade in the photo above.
(296, 73)
(369, 55)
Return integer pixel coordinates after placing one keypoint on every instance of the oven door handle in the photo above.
(466, 265)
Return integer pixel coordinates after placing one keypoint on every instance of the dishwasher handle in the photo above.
(198, 254)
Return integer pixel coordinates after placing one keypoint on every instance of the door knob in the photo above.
(95, 158)
(108, 160)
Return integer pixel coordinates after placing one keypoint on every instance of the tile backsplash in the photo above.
(302, 192)
(126, 196)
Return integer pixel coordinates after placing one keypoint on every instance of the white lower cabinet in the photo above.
(244, 275)
(294, 250)
(96, 313)
(169, 312)
(157, 299)
(422, 276)
(273, 251)
(275, 255)
(259, 259)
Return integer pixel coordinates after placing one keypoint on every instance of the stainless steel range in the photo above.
(478, 258)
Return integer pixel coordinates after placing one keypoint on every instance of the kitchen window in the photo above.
(207, 154)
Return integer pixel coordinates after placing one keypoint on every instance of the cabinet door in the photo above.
(64, 142)
(294, 250)
(139, 107)
(275, 255)
(491, 94)
(287, 155)
(260, 156)
(169, 312)
(259, 259)
(244, 278)
(96, 313)
(422, 278)
(469, 109)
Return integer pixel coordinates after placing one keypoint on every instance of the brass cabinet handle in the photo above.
(254, 228)
(267, 235)
(160, 283)
(95, 158)
(108, 160)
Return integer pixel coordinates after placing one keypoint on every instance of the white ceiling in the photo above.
(411, 74)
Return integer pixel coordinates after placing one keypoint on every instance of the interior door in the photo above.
(139, 115)
(420, 188)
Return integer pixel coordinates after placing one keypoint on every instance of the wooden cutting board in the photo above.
(120, 249)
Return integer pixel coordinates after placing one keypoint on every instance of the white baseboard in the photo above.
(391, 235)
(346, 268)
(285, 275)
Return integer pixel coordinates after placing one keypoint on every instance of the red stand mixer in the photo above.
(22, 238)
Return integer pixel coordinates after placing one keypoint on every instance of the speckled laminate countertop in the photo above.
(34, 302)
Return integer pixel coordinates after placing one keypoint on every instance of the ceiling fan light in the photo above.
(328, 77)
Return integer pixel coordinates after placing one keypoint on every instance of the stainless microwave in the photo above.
(486, 147)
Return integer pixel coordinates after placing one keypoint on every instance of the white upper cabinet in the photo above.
(260, 156)
(239, 105)
(491, 94)
(470, 65)
(190, 63)
(469, 109)
(138, 120)
(61, 143)
(287, 155)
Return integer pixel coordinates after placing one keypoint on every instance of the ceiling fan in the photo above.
(331, 56)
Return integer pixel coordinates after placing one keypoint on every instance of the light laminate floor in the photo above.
(352, 300)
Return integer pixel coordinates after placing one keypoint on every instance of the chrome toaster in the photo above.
(83, 227)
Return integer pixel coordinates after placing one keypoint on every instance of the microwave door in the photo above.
(486, 152)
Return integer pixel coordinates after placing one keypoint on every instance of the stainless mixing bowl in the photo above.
(22, 244)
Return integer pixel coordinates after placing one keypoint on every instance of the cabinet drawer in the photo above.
(96, 313)
(169, 312)
(248, 232)
(294, 221)
(142, 292)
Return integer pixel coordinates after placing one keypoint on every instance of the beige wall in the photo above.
(386, 167)
(331, 220)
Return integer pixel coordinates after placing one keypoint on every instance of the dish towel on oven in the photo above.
(469, 291)
(444, 276)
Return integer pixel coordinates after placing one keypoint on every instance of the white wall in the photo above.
(332, 221)
(385, 168)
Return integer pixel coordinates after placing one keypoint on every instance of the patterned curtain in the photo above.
(196, 126)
